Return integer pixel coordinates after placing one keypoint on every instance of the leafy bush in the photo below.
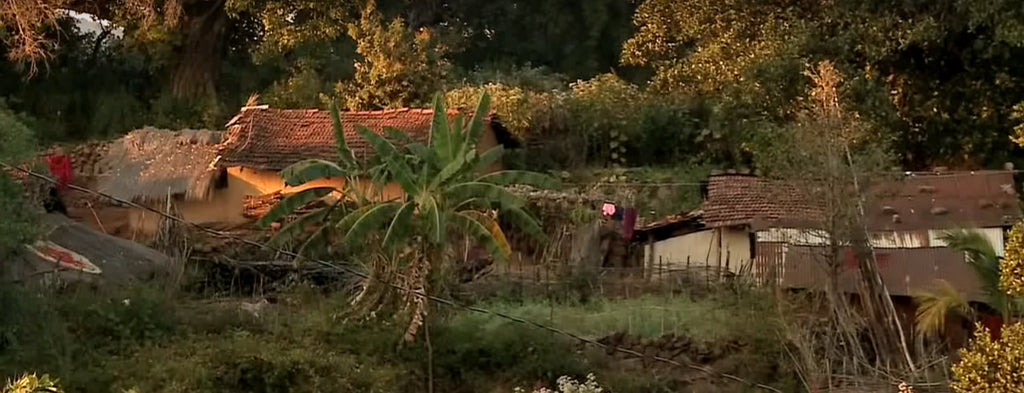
(477, 352)
(254, 362)
(991, 365)
(569, 385)
(16, 142)
(601, 121)
(30, 383)
(70, 333)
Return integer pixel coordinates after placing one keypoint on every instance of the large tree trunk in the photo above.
(205, 29)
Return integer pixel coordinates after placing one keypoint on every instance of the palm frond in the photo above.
(306, 171)
(469, 225)
(982, 258)
(345, 155)
(453, 168)
(292, 202)
(934, 305)
(399, 136)
(424, 153)
(489, 193)
(493, 228)
(476, 125)
(396, 164)
(488, 158)
(401, 223)
(524, 221)
(440, 133)
(359, 224)
(510, 177)
(430, 211)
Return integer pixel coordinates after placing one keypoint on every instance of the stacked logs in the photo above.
(255, 206)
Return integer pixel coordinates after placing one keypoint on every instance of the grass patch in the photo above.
(141, 338)
(705, 320)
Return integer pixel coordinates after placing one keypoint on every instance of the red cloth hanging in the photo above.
(60, 167)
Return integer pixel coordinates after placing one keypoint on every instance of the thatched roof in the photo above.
(148, 164)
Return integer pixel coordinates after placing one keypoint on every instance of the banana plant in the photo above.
(447, 191)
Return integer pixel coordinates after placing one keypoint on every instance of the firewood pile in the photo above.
(255, 206)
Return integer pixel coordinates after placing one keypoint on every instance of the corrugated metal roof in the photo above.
(919, 201)
(903, 270)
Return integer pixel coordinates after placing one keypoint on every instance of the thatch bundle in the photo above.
(148, 165)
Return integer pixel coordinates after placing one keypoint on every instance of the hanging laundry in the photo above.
(628, 223)
(60, 167)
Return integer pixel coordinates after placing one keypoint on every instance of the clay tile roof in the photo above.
(272, 139)
(916, 201)
(740, 199)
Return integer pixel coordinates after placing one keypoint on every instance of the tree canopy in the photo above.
(937, 81)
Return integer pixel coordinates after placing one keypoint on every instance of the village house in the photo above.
(226, 179)
(165, 170)
(262, 141)
(765, 227)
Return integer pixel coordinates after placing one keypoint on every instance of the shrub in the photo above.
(30, 383)
(16, 142)
(258, 363)
(569, 385)
(601, 121)
(71, 333)
(477, 352)
(991, 365)
(1011, 278)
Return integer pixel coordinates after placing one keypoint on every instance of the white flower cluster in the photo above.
(567, 384)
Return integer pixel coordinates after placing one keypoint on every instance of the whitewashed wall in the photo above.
(710, 247)
(901, 239)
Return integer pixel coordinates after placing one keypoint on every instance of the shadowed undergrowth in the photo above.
(142, 339)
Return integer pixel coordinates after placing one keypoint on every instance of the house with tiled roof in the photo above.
(261, 141)
(770, 229)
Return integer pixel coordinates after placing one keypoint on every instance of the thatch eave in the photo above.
(150, 165)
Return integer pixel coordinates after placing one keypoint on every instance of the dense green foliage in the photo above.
(449, 191)
(143, 339)
(698, 81)
(16, 142)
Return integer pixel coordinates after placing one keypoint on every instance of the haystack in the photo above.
(148, 164)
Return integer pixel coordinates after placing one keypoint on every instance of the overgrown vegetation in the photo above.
(669, 89)
(990, 361)
(141, 339)
(448, 191)
(646, 83)
(16, 143)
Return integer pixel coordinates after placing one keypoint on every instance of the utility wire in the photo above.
(448, 302)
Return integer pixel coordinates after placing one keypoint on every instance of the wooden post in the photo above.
(727, 256)
(718, 271)
(661, 273)
(650, 251)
